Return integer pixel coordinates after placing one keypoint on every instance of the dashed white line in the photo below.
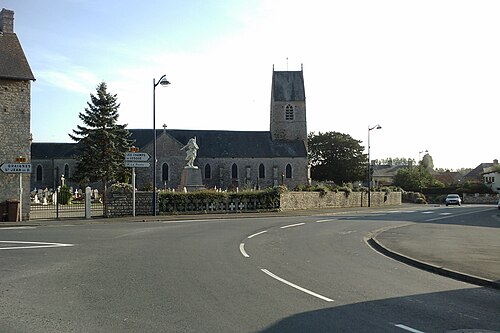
(296, 286)
(256, 234)
(242, 250)
(34, 245)
(292, 225)
(407, 328)
(321, 221)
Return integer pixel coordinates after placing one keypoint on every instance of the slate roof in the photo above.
(13, 62)
(288, 86)
(478, 171)
(213, 144)
(238, 144)
(49, 150)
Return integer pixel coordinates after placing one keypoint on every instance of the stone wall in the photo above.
(480, 198)
(120, 204)
(309, 200)
(15, 136)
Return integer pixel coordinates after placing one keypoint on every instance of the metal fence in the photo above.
(54, 210)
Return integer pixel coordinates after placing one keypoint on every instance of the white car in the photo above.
(453, 199)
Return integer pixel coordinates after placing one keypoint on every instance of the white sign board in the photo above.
(132, 164)
(138, 157)
(16, 167)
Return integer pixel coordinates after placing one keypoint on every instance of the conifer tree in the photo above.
(103, 142)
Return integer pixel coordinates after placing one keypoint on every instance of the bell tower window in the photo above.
(289, 112)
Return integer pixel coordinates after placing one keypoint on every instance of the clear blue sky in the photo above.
(427, 71)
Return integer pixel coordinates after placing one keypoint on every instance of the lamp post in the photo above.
(164, 82)
(420, 168)
(369, 171)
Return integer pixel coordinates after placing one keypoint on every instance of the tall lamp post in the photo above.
(369, 171)
(420, 168)
(164, 82)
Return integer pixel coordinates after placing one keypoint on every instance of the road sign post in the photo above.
(19, 167)
(135, 159)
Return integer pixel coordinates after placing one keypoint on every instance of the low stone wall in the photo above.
(120, 204)
(308, 200)
(480, 198)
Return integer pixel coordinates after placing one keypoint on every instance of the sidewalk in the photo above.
(466, 253)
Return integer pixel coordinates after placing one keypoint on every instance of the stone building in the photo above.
(227, 159)
(15, 110)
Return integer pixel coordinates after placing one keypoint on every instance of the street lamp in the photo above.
(369, 171)
(420, 168)
(164, 82)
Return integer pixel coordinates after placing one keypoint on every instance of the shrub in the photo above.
(64, 195)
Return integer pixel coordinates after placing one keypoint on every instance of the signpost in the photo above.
(135, 159)
(19, 167)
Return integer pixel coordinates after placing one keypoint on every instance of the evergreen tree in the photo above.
(103, 142)
(336, 156)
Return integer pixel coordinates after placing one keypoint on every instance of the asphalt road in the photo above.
(270, 274)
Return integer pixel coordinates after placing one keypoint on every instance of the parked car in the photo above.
(453, 199)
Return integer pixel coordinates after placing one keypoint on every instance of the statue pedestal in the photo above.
(191, 179)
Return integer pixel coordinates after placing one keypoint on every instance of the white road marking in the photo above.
(259, 233)
(15, 228)
(427, 212)
(292, 225)
(409, 329)
(34, 245)
(296, 286)
(242, 250)
(455, 215)
(321, 221)
(445, 213)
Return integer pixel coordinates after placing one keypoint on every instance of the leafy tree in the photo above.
(102, 140)
(410, 179)
(336, 156)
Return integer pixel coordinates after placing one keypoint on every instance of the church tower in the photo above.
(288, 106)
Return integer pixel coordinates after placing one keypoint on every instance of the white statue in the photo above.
(191, 148)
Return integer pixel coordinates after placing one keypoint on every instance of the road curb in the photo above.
(443, 271)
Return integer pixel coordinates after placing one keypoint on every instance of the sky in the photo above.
(427, 72)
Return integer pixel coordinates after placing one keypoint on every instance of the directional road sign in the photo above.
(16, 167)
(138, 157)
(133, 164)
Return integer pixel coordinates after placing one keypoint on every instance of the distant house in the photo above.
(383, 175)
(478, 172)
(15, 110)
(449, 177)
(491, 177)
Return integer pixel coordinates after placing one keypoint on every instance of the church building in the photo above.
(15, 114)
(227, 159)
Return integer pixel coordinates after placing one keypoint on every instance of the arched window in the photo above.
(39, 173)
(66, 171)
(208, 171)
(288, 171)
(289, 112)
(234, 171)
(262, 171)
(164, 172)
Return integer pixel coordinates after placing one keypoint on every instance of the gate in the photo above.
(46, 205)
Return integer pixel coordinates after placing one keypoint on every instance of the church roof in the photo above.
(49, 150)
(288, 86)
(212, 143)
(13, 62)
(239, 144)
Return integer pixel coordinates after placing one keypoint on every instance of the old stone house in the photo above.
(15, 110)
(227, 159)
